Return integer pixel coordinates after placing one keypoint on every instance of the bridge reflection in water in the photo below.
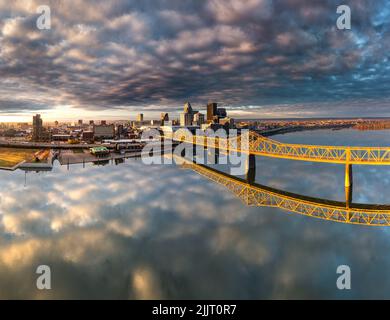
(254, 194)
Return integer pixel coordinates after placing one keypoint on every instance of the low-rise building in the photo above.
(104, 131)
(88, 136)
(60, 137)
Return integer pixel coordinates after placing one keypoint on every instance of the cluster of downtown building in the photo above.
(216, 118)
(103, 131)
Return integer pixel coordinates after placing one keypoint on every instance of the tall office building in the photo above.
(211, 110)
(80, 122)
(188, 108)
(187, 116)
(221, 113)
(140, 117)
(37, 134)
(199, 118)
(186, 119)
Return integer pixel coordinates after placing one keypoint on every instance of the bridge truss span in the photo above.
(256, 144)
(318, 153)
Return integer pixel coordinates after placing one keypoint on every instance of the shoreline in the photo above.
(285, 130)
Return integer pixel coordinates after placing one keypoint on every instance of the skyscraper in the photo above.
(37, 128)
(187, 116)
(188, 108)
(221, 113)
(186, 119)
(199, 118)
(211, 110)
(140, 117)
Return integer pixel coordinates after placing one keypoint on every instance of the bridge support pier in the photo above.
(348, 196)
(348, 184)
(348, 175)
(162, 147)
(183, 152)
(251, 168)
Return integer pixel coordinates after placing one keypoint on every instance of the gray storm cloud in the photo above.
(254, 56)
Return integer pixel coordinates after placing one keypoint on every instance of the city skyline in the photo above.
(264, 59)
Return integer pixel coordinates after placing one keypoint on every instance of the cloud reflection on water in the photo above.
(135, 231)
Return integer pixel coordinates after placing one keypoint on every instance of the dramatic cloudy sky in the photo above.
(259, 58)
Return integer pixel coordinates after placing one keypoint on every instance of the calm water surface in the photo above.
(133, 231)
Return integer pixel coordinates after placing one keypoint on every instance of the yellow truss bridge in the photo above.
(259, 195)
(256, 144)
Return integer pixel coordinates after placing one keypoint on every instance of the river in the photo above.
(132, 231)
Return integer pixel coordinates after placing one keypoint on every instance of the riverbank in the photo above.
(11, 158)
(284, 130)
